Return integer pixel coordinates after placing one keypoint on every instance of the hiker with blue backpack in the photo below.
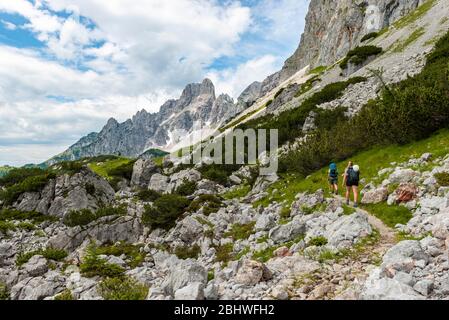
(351, 179)
(333, 178)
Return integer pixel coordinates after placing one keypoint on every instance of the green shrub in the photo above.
(359, 55)
(132, 252)
(4, 292)
(29, 184)
(218, 173)
(148, 195)
(210, 204)
(48, 253)
(279, 93)
(188, 252)
(123, 171)
(70, 167)
(65, 295)
(79, 218)
(18, 175)
(238, 192)
(307, 86)
(187, 188)
(318, 241)
(164, 212)
(224, 253)
(84, 217)
(123, 288)
(371, 35)
(94, 266)
(90, 189)
(442, 179)
(6, 226)
(7, 214)
(241, 231)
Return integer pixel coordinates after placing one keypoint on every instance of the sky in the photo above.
(67, 66)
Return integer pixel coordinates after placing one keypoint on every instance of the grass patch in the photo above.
(317, 242)
(442, 178)
(241, 231)
(347, 210)
(93, 266)
(210, 204)
(307, 86)
(188, 252)
(132, 252)
(318, 70)
(238, 192)
(412, 38)
(122, 288)
(390, 215)
(48, 253)
(402, 236)
(224, 253)
(109, 168)
(66, 295)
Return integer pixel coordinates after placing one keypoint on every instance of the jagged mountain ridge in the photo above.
(197, 106)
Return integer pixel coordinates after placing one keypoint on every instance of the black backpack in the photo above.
(353, 176)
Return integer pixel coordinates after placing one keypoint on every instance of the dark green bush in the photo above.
(369, 36)
(148, 195)
(94, 266)
(90, 189)
(122, 288)
(48, 253)
(18, 175)
(132, 252)
(187, 188)
(70, 167)
(164, 212)
(188, 252)
(30, 184)
(442, 179)
(7, 214)
(85, 216)
(210, 204)
(359, 55)
(279, 93)
(123, 171)
(241, 231)
(318, 241)
(218, 173)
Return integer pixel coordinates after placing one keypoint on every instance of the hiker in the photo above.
(351, 181)
(333, 178)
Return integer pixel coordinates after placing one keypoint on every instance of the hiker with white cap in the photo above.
(351, 179)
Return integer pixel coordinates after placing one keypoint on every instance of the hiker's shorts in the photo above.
(352, 184)
(333, 180)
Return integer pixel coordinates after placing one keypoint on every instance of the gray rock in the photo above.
(177, 179)
(193, 291)
(252, 272)
(289, 231)
(375, 196)
(38, 288)
(265, 222)
(143, 170)
(159, 183)
(402, 257)
(36, 266)
(348, 230)
(402, 176)
(424, 287)
(211, 291)
(183, 273)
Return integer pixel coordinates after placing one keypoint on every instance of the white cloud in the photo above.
(233, 81)
(8, 25)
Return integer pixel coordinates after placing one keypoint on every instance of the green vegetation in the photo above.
(238, 192)
(7, 214)
(412, 38)
(210, 275)
(370, 36)
(244, 117)
(289, 123)
(318, 70)
(267, 254)
(402, 236)
(188, 252)
(390, 215)
(442, 179)
(218, 173)
(277, 94)
(164, 212)
(111, 167)
(187, 188)
(6, 226)
(241, 231)
(4, 292)
(48, 253)
(224, 253)
(85, 216)
(95, 266)
(65, 295)
(4, 170)
(359, 55)
(407, 111)
(415, 15)
(148, 195)
(318, 242)
(134, 255)
(122, 288)
(204, 222)
(210, 204)
(307, 86)
(347, 210)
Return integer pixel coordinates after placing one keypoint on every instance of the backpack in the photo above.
(333, 172)
(353, 176)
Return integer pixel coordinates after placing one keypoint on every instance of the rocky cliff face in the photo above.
(197, 106)
(335, 27)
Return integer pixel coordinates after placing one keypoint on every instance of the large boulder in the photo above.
(193, 291)
(377, 287)
(82, 190)
(143, 170)
(289, 231)
(252, 272)
(406, 192)
(177, 179)
(38, 288)
(188, 230)
(403, 257)
(182, 274)
(375, 196)
(159, 183)
(36, 266)
(403, 176)
(348, 230)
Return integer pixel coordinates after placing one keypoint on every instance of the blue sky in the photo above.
(66, 66)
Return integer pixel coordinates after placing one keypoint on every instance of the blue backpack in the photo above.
(333, 171)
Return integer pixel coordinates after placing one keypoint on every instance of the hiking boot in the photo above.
(347, 202)
(356, 205)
